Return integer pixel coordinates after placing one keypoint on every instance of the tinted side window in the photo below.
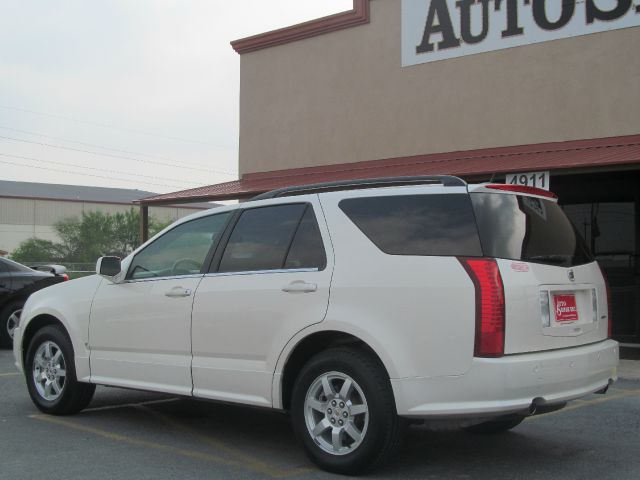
(180, 251)
(261, 238)
(16, 267)
(417, 224)
(307, 250)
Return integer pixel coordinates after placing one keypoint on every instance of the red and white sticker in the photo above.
(519, 267)
(565, 308)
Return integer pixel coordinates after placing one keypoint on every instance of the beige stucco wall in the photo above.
(343, 96)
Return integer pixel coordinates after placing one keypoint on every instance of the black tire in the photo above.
(73, 396)
(383, 432)
(6, 338)
(499, 425)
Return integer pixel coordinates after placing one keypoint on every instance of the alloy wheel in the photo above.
(336, 413)
(49, 371)
(13, 321)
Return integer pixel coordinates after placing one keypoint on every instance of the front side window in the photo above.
(274, 238)
(180, 251)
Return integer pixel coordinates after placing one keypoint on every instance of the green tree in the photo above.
(85, 239)
(37, 250)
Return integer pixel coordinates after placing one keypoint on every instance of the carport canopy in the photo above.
(474, 165)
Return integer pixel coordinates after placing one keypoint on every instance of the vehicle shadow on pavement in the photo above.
(263, 441)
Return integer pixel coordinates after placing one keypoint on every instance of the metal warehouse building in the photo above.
(30, 210)
(475, 88)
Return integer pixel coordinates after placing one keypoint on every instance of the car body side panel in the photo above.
(242, 321)
(327, 325)
(5, 285)
(421, 307)
(70, 303)
(140, 334)
(18, 285)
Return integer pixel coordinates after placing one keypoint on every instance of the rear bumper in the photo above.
(510, 384)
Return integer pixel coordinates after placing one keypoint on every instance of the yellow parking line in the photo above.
(252, 462)
(595, 401)
(163, 447)
(12, 374)
(134, 441)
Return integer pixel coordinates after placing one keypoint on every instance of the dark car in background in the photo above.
(17, 282)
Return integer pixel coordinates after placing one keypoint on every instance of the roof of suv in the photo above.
(444, 180)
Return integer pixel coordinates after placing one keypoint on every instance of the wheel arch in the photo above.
(309, 346)
(35, 324)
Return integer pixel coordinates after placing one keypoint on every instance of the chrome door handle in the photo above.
(177, 292)
(300, 287)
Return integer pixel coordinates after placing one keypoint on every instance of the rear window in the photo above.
(431, 225)
(15, 267)
(528, 229)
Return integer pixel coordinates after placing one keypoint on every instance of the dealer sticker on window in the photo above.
(565, 308)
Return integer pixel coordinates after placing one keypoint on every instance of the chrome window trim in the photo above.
(262, 272)
(155, 279)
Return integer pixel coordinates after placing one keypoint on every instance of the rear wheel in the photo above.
(9, 320)
(498, 425)
(51, 375)
(344, 412)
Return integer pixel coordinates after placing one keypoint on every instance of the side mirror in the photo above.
(108, 266)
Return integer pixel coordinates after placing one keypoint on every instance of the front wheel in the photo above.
(9, 320)
(343, 411)
(51, 374)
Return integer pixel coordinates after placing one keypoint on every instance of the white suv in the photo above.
(356, 306)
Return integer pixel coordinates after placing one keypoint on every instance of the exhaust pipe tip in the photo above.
(604, 390)
(533, 408)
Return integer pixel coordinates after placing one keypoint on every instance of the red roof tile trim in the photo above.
(358, 16)
(602, 152)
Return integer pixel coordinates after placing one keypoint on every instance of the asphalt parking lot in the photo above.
(128, 434)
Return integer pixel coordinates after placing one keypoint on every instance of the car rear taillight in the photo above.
(65, 277)
(522, 189)
(485, 274)
(609, 316)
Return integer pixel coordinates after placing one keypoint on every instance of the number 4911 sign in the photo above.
(531, 179)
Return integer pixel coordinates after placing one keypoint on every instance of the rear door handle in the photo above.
(177, 292)
(300, 287)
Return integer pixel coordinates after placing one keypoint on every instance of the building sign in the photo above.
(531, 179)
(440, 29)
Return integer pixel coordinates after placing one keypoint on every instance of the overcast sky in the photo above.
(85, 83)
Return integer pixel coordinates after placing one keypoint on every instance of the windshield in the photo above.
(528, 229)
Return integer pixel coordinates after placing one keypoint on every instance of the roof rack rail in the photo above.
(444, 180)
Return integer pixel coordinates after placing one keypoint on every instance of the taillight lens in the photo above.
(609, 315)
(485, 274)
(65, 277)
